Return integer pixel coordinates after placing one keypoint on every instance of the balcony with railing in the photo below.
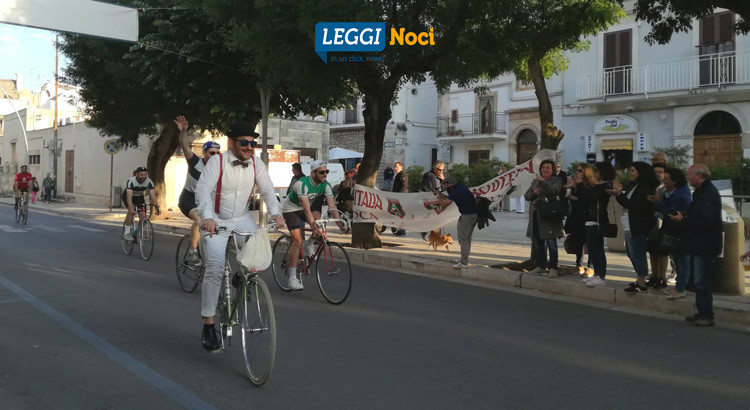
(708, 70)
(347, 116)
(473, 126)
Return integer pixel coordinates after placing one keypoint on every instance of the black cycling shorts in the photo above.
(138, 201)
(187, 202)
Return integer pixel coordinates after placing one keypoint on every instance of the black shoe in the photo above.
(691, 318)
(634, 288)
(700, 320)
(210, 339)
(651, 281)
(660, 284)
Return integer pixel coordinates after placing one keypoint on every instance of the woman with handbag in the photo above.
(577, 189)
(597, 223)
(676, 198)
(544, 229)
(637, 219)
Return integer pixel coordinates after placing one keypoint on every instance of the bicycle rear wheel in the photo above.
(146, 240)
(258, 323)
(334, 272)
(280, 262)
(127, 246)
(188, 275)
(25, 212)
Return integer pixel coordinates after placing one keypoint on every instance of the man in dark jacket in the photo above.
(388, 174)
(702, 240)
(432, 180)
(400, 184)
(467, 207)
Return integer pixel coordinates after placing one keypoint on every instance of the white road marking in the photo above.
(8, 228)
(86, 228)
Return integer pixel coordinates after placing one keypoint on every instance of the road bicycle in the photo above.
(189, 275)
(333, 268)
(246, 302)
(143, 233)
(22, 212)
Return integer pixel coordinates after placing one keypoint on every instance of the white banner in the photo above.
(422, 212)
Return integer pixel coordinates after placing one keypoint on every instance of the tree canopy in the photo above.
(672, 16)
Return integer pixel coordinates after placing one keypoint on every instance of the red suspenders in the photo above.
(217, 200)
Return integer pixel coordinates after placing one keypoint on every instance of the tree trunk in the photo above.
(161, 151)
(377, 113)
(545, 105)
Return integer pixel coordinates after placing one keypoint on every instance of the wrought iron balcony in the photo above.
(491, 122)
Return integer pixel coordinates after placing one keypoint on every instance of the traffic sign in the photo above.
(111, 147)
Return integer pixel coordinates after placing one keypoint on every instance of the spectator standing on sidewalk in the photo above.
(702, 241)
(637, 219)
(388, 175)
(296, 175)
(597, 200)
(659, 261)
(34, 189)
(432, 180)
(676, 198)
(47, 184)
(400, 184)
(659, 158)
(544, 232)
(466, 203)
(577, 188)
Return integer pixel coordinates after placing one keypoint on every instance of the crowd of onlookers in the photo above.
(659, 217)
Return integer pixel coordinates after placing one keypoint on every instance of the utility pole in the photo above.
(54, 159)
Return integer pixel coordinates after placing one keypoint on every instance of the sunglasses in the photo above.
(245, 143)
(323, 172)
(212, 153)
(579, 170)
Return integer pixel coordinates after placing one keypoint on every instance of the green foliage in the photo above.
(479, 173)
(674, 16)
(739, 175)
(678, 156)
(414, 173)
(460, 171)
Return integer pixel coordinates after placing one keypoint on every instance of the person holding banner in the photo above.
(400, 184)
(464, 199)
(432, 180)
(544, 232)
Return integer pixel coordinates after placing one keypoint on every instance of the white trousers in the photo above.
(215, 254)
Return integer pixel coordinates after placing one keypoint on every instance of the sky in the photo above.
(30, 52)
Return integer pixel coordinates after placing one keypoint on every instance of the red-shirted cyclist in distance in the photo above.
(21, 185)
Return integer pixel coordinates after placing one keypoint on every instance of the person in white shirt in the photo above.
(226, 204)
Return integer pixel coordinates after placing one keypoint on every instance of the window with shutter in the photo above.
(618, 58)
(717, 44)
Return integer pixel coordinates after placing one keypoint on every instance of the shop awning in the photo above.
(618, 144)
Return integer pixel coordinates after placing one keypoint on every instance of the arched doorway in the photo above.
(526, 146)
(717, 140)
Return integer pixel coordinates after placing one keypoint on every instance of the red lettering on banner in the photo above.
(369, 200)
(530, 168)
(366, 216)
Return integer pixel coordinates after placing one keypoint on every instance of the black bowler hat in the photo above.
(242, 129)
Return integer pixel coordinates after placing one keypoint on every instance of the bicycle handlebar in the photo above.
(325, 221)
(271, 227)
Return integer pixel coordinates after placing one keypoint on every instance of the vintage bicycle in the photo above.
(333, 269)
(244, 301)
(143, 233)
(22, 212)
(189, 275)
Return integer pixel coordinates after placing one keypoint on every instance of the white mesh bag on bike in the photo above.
(256, 253)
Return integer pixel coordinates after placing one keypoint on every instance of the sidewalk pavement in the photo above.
(502, 242)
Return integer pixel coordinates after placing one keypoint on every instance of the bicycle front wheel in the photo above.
(258, 323)
(18, 214)
(334, 272)
(25, 212)
(127, 246)
(280, 262)
(146, 240)
(188, 275)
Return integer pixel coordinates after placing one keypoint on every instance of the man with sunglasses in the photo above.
(223, 193)
(305, 202)
(187, 202)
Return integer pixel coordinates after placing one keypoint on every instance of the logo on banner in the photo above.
(363, 37)
(395, 208)
(433, 206)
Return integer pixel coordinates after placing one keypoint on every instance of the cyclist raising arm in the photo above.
(223, 193)
(134, 195)
(21, 185)
(187, 203)
(305, 202)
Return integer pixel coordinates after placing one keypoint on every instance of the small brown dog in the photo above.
(437, 239)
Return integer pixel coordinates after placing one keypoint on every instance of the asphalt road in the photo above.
(83, 326)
